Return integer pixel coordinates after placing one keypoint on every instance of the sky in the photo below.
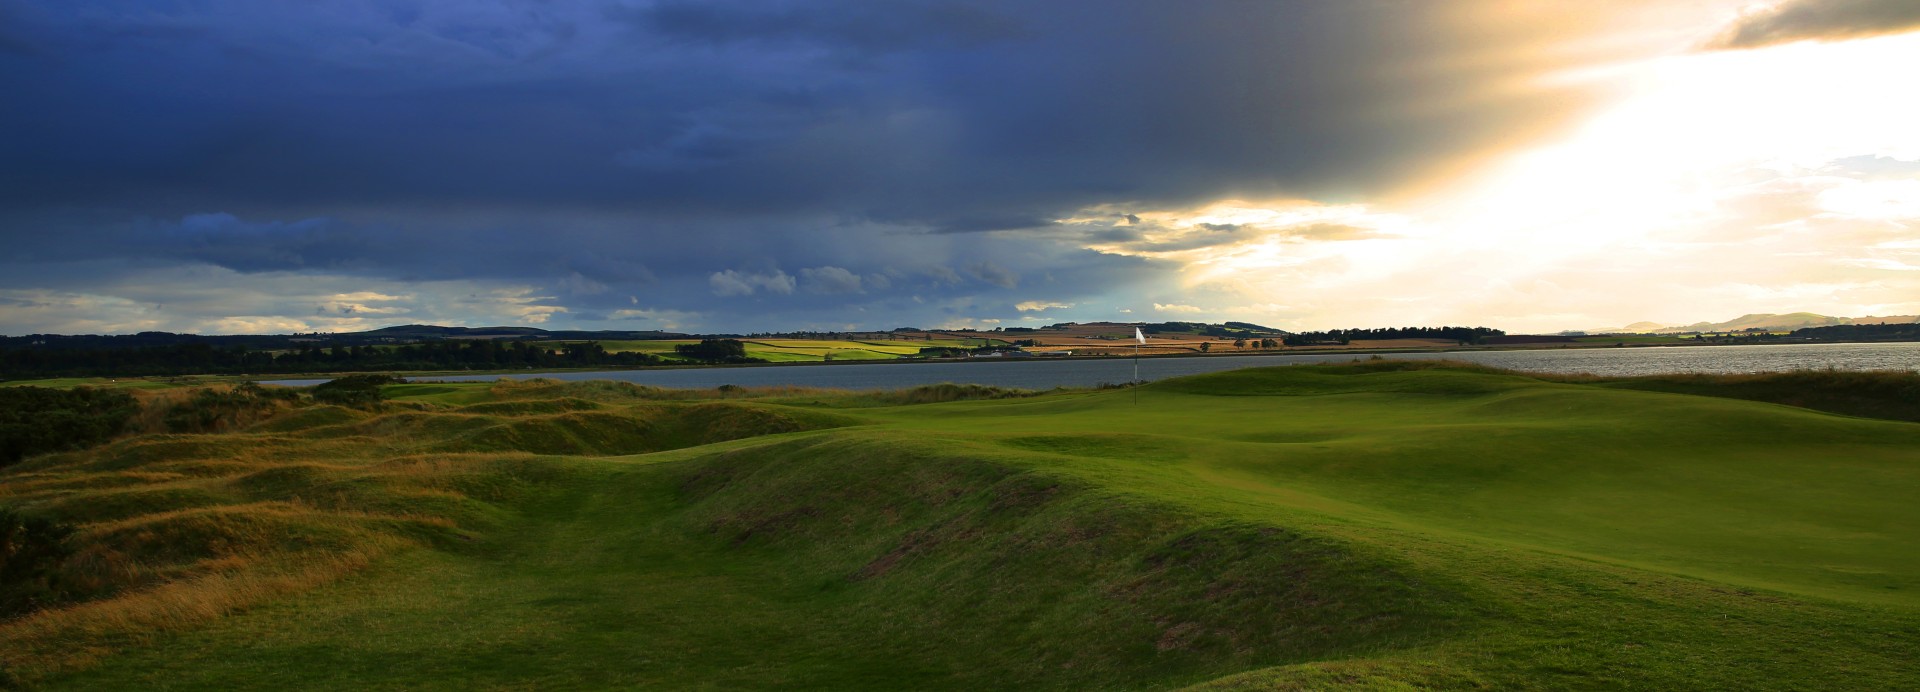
(263, 166)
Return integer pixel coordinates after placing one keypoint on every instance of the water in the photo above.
(1705, 359)
(1050, 373)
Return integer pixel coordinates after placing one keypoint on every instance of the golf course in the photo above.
(1385, 525)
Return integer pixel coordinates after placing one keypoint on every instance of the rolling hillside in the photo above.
(1789, 321)
(1380, 526)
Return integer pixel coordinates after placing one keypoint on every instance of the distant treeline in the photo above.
(717, 351)
(1863, 332)
(1465, 335)
(378, 337)
(204, 359)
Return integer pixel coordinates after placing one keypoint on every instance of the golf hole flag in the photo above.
(1138, 339)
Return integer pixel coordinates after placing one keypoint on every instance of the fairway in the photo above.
(1381, 525)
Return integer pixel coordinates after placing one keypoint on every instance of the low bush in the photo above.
(357, 391)
(31, 550)
(214, 410)
(936, 393)
(717, 351)
(37, 420)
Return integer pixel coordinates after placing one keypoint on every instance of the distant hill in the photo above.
(384, 335)
(1640, 327)
(1770, 321)
(428, 331)
(407, 333)
(1891, 319)
(1227, 330)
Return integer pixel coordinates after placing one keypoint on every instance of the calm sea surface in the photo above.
(1047, 374)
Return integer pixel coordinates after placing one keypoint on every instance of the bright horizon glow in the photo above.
(1711, 172)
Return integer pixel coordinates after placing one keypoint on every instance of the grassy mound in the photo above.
(534, 407)
(1368, 526)
(1890, 395)
(1384, 376)
(632, 431)
(1025, 578)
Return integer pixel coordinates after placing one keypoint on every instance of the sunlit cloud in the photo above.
(1759, 181)
(1885, 199)
(66, 312)
(1799, 20)
(738, 283)
(522, 304)
(830, 280)
(656, 318)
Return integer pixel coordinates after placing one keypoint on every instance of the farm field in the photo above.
(806, 350)
(153, 383)
(1634, 339)
(1383, 344)
(1380, 525)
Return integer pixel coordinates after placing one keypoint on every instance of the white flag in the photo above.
(1137, 336)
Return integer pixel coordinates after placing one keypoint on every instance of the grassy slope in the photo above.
(1762, 495)
(1278, 528)
(1894, 396)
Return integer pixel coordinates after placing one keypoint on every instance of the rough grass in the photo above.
(177, 530)
(1362, 526)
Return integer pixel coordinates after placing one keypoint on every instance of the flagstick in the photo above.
(1139, 338)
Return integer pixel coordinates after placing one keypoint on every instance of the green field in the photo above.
(1634, 339)
(125, 382)
(1380, 526)
(805, 350)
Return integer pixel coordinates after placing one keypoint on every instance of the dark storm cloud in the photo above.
(12, 39)
(830, 280)
(971, 111)
(839, 28)
(1800, 20)
(610, 150)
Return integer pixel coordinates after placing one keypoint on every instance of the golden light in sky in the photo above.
(1714, 183)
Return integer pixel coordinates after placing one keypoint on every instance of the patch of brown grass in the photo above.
(176, 530)
(71, 638)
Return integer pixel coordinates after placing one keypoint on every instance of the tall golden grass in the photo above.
(276, 495)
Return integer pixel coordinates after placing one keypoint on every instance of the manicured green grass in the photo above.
(1375, 526)
(1752, 494)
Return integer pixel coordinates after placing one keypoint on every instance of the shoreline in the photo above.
(271, 377)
